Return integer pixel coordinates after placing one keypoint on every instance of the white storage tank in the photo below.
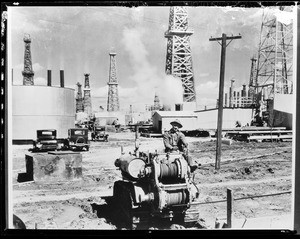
(41, 107)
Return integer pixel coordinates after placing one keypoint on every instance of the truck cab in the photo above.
(77, 139)
(99, 133)
(46, 140)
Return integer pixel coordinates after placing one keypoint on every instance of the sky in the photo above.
(78, 40)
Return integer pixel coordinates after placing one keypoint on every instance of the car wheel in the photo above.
(87, 148)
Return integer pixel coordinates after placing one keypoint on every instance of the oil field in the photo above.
(143, 128)
(248, 169)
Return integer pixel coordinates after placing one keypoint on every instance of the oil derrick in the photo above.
(87, 102)
(79, 99)
(274, 62)
(28, 73)
(113, 95)
(179, 58)
(156, 103)
(253, 80)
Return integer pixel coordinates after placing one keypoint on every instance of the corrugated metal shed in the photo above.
(161, 120)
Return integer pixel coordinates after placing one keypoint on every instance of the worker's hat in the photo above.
(177, 123)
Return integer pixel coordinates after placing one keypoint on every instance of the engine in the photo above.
(161, 183)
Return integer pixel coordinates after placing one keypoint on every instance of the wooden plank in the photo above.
(265, 132)
(150, 135)
(238, 129)
(285, 136)
(263, 137)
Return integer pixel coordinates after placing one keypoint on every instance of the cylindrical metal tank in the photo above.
(41, 107)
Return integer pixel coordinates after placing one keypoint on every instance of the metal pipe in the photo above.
(62, 80)
(49, 78)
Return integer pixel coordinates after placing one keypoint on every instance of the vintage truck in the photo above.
(46, 140)
(99, 133)
(77, 139)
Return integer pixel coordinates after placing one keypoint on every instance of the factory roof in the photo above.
(176, 113)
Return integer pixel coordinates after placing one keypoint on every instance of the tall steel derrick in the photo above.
(179, 57)
(79, 99)
(156, 102)
(274, 62)
(87, 101)
(253, 79)
(28, 73)
(113, 95)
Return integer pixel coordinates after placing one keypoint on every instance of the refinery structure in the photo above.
(259, 102)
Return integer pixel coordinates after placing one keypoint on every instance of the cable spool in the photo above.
(169, 198)
(176, 169)
(176, 197)
(168, 171)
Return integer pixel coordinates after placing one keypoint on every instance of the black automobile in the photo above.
(99, 134)
(46, 140)
(77, 139)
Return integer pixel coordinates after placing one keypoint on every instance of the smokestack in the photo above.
(244, 91)
(231, 93)
(62, 80)
(49, 78)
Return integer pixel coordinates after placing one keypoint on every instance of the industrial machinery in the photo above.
(155, 186)
(99, 134)
(77, 139)
(46, 140)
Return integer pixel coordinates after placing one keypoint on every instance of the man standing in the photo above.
(174, 140)
(116, 124)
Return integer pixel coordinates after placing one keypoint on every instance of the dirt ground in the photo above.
(248, 169)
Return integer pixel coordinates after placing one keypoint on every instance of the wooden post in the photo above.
(137, 142)
(229, 208)
(136, 132)
(223, 44)
(220, 108)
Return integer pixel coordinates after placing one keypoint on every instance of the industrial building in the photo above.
(207, 119)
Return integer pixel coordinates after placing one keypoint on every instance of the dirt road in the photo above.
(248, 169)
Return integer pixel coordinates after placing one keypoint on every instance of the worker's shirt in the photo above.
(174, 139)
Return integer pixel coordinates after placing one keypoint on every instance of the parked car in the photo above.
(99, 134)
(46, 140)
(77, 139)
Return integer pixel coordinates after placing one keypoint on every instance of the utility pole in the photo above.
(223, 44)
